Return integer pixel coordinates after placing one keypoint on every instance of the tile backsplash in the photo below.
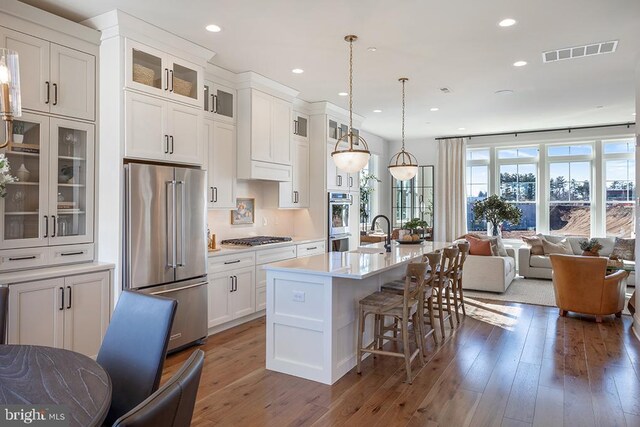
(268, 221)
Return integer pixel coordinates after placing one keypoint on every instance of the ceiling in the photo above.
(455, 44)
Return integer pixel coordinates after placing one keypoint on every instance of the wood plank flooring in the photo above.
(506, 364)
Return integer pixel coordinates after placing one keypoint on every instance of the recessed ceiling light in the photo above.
(461, 128)
(507, 22)
(372, 49)
(213, 28)
(342, 94)
(520, 63)
(599, 106)
(504, 92)
(434, 109)
(297, 71)
(377, 111)
(633, 114)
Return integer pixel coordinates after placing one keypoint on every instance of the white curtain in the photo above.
(451, 199)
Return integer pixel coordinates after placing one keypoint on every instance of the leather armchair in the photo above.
(581, 285)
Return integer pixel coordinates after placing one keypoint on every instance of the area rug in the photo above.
(529, 291)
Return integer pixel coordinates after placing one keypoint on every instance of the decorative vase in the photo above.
(23, 173)
(496, 230)
(18, 138)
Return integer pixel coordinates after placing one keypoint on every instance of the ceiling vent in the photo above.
(445, 90)
(580, 51)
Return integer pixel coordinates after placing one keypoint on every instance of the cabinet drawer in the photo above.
(276, 254)
(231, 262)
(70, 254)
(308, 249)
(270, 171)
(16, 259)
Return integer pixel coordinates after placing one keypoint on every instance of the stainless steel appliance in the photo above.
(165, 242)
(339, 206)
(255, 241)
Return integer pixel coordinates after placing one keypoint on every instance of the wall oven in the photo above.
(339, 206)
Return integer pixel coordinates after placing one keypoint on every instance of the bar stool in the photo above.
(442, 287)
(405, 308)
(456, 282)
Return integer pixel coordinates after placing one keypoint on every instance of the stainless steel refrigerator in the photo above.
(165, 249)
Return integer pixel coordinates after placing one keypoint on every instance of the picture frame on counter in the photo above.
(245, 212)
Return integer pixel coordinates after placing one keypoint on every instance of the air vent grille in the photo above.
(580, 51)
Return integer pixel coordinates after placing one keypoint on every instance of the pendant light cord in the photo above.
(351, 93)
(403, 82)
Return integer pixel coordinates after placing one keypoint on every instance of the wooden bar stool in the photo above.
(405, 308)
(456, 281)
(442, 287)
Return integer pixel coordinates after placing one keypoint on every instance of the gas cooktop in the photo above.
(255, 241)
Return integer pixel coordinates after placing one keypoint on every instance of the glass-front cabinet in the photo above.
(414, 199)
(219, 101)
(51, 200)
(300, 126)
(158, 73)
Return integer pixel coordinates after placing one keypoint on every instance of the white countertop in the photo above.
(51, 272)
(226, 250)
(356, 265)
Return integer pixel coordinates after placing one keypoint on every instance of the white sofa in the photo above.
(539, 266)
(489, 273)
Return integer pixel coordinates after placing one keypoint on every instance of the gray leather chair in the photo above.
(4, 303)
(172, 405)
(134, 349)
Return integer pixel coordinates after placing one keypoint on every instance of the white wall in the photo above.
(425, 150)
(380, 147)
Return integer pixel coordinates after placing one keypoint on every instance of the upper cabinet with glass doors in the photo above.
(219, 102)
(158, 73)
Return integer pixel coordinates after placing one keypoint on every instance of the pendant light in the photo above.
(9, 92)
(403, 165)
(351, 152)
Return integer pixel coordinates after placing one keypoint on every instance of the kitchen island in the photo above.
(312, 306)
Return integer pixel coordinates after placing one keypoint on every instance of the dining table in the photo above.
(53, 380)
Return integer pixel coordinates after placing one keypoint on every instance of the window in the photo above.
(577, 188)
(477, 184)
(414, 199)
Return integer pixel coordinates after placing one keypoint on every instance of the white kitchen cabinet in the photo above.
(66, 312)
(231, 295)
(51, 204)
(295, 194)
(337, 179)
(156, 129)
(300, 128)
(53, 78)
(219, 102)
(220, 140)
(158, 73)
(264, 136)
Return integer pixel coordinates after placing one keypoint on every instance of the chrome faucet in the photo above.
(387, 244)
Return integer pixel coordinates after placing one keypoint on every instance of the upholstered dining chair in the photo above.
(134, 349)
(172, 404)
(581, 285)
(4, 303)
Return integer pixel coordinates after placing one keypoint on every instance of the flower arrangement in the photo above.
(5, 176)
(590, 247)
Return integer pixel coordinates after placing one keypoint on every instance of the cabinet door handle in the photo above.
(71, 253)
(53, 231)
(22, 258)
(232, 262)
(215, 194)
(46, 226)
(215, 104)
(55, 94)
(69, 302)
(338, 180)
(166, 79)
(171, 80)
(235, 280)
(312, 248)
(166, 144)
(350, 182)
(61, 298)
(211, 200)
(171, 137)
(213, 100)
(48, 92)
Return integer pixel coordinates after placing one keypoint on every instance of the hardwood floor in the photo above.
(507, 364)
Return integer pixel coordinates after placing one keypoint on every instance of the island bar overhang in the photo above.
(312, 308)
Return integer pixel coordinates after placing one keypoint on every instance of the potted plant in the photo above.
(18, 132)
(496, 210)
(415, 228)
(590, 247)
(366, 189)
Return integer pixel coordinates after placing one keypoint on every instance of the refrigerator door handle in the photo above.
(181, 263)
(171, 224)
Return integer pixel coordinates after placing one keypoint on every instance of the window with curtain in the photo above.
(477, 184)
(619, 187)
(518, 178)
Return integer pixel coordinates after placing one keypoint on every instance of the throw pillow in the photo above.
(556, 248)
(495, 244)
(535, 244)
(624, 249)
(479, 246)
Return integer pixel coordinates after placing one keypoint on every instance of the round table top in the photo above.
(35, 375)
